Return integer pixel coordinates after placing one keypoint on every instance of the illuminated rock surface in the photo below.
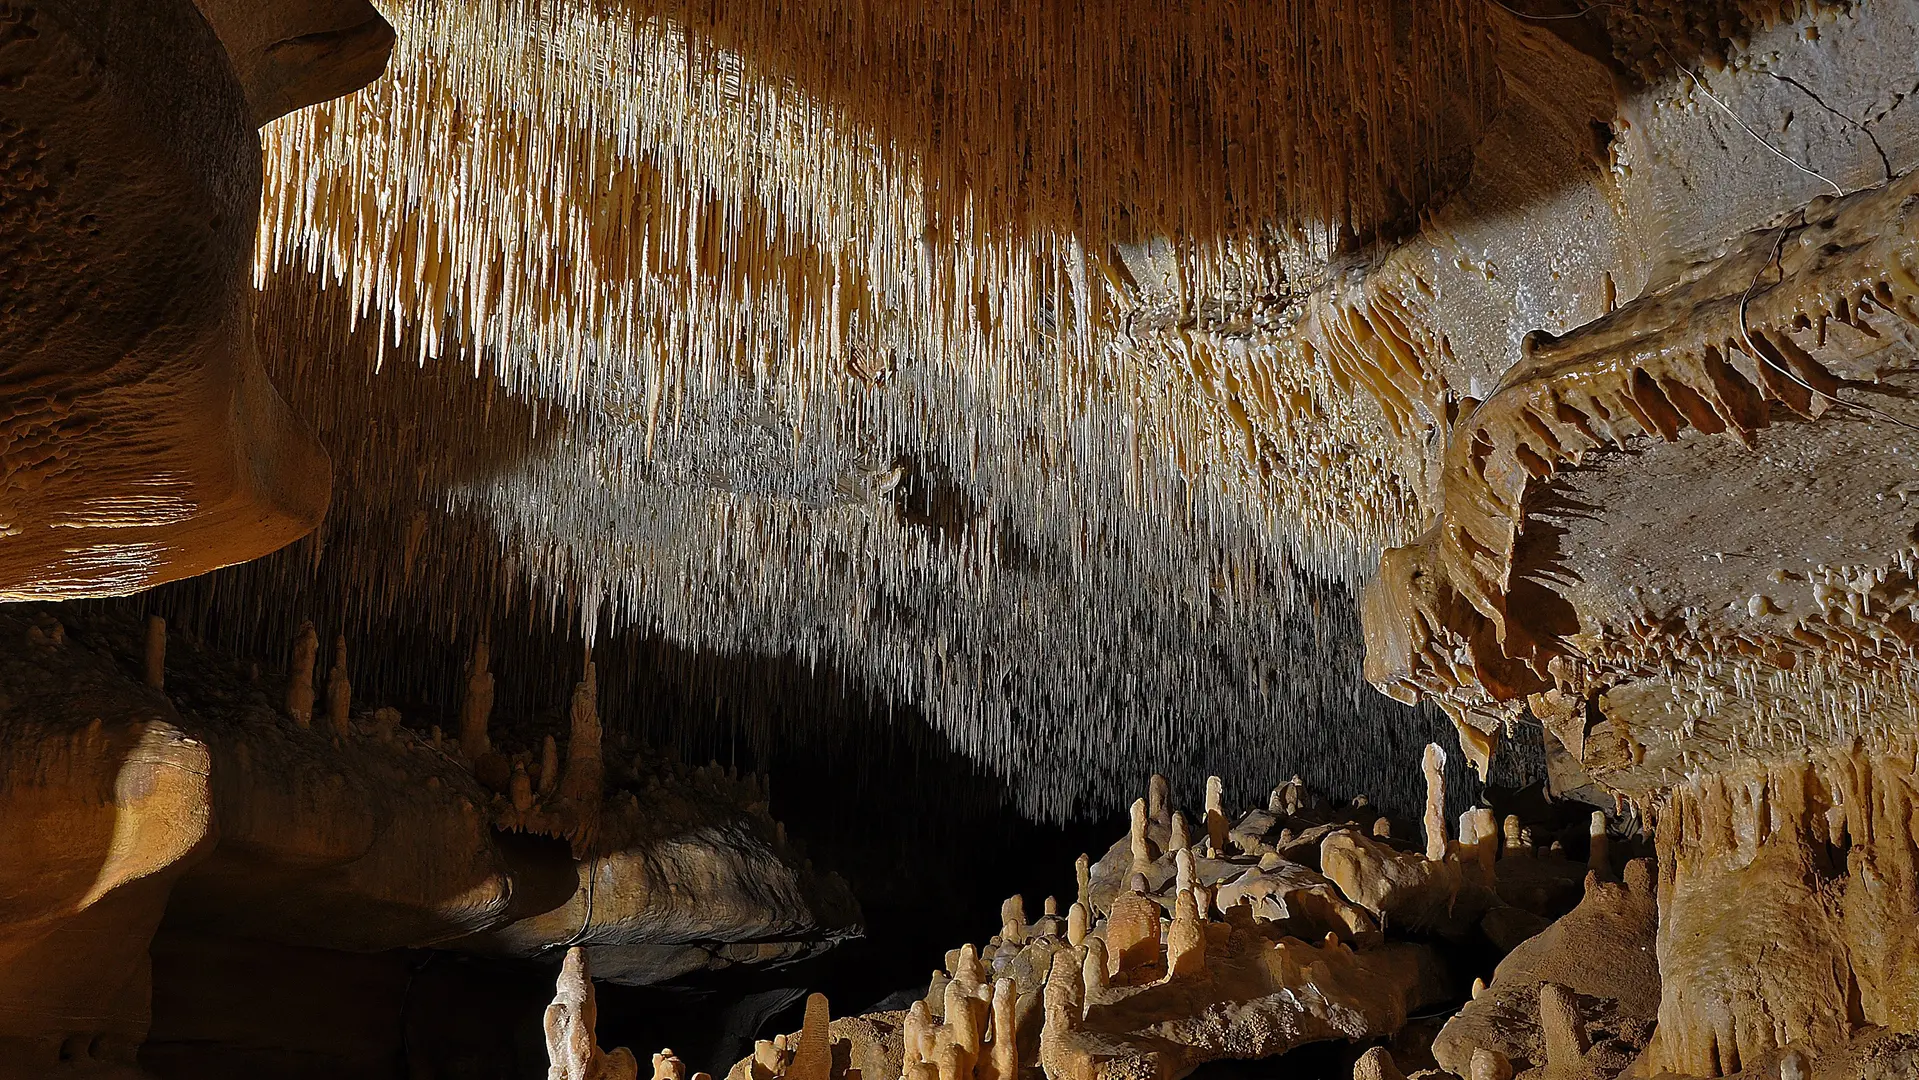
(1087, 392)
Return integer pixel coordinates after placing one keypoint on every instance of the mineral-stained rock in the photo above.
(142, 441)
(214, 808)
(290, 55)
(1600, 954)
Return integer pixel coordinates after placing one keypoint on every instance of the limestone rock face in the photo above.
(1601, 954)
(102, 817)
(235, 822)
(141, 440)
(292, 53)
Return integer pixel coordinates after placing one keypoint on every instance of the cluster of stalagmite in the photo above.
(1292, 923)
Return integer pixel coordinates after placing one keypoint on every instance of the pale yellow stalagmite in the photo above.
(1012, 915)
(1216, 823)
(1512, 838)
(916, 1043)
(1140, 846)
(1182, 833)
(573, 1050)
(1159, 800)
(1076, 925)
(156, 652)
(1132, 930)
(585, 768)
(1485, 844)
(1186, 939)
(963, 1019)
(969, 971)
(1433, 765)
(1598, 852)
(476, 708)
(1183, 867)
(1083, 879)
(339, 692)
(668, 1066)
(306, 652)
(1005, 1051)
(1377, 1064)
(1094, 971)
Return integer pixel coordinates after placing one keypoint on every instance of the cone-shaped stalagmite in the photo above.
(813, 1057)
(585, 769)
(572, 1049)
(1216, 825)
(549, 766)
(1433, 764)
(1139, 844)
(1186, 940)
(476, 708)
(1005, 1051)
(306, 652)
(339, 691)
(1132, 931)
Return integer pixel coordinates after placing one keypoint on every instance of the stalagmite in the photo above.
(963, 1019)
(1140, 846)
(1377, 1064)
(916, 1034)
(1159, 799)
(1076, 925)
(1132, 930)
(1490, 1065)
(1433, 765)
(1183, 870)
(1012, 916)
(339, 692)
(476, 708)
(549, 767)
(1598, 855)
(572, 1049)
(156, 652)
(1083, 879)
(306, 651)
(1562, 1026)
(1216, 823)
(1182, 833)
(1513, 842)
(585, 769)
(1186, 940)
(813, 1057)
(1095, 970)
(1484, 849)
(1005, 1053)
(668, 1066)
(1063, 998)
(970, 970)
